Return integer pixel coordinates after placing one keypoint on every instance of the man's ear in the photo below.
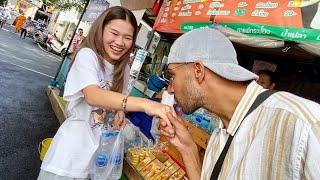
(199, 70)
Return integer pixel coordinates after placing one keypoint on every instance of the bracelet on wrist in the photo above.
(124, 103)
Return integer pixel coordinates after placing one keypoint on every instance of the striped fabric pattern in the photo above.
(279, 140)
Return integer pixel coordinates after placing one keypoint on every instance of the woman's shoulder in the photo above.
(86, 53)
(86, 50)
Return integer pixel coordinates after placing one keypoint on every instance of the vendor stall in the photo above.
(289, 45)
(283, 33)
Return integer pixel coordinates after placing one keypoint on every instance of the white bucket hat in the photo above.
(215, 51)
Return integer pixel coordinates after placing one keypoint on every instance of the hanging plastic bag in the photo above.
(108, 161)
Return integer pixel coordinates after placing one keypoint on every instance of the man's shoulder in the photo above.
(302, 108)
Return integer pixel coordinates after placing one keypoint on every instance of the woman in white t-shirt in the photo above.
(97, 78)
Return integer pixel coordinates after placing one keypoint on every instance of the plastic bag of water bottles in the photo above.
(109, 157)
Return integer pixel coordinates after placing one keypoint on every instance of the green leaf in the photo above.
(65, 5)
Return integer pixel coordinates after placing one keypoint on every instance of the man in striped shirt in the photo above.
(280, 139)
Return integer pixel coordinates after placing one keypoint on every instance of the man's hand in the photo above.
(182, 139)
(119, 121)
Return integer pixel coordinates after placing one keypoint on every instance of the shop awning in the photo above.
(255, 23)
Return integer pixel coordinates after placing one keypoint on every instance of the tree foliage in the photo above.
(65, 5)
(3, 2)
(68, 4)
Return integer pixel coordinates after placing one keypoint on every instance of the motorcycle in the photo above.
(56, 46)
(39, 34)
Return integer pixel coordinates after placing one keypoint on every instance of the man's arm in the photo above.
(310, 162)
(192, 162)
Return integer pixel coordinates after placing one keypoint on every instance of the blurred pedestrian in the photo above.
(19, 22)
(77, 39)
(4, 16)
(26, 25)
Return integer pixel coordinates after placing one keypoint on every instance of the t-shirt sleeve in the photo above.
(83, 72)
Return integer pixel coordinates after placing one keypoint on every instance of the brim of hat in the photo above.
(233, 72)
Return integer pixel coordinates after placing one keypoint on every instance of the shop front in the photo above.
(29, 8)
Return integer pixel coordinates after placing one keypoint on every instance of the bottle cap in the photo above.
(106, 134)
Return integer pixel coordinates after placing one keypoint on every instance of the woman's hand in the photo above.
(119, 121)
(159, 110)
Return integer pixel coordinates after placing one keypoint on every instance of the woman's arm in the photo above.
(107, 99)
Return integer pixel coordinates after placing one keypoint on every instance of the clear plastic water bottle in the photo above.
(155, 128)
(104, 151)
(116, 160)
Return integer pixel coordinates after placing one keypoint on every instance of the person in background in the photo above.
(96, 85)
(4, 15)
(19, 22)
(266, 79)
(26, 25)
(278, 138)
(77, 39)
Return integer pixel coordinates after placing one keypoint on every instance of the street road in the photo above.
(25, 54)
(26, 117)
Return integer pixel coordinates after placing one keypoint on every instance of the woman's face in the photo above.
(117, 39)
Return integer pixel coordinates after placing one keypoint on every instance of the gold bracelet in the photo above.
(124, 103)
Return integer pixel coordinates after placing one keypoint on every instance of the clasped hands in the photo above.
(176, 131)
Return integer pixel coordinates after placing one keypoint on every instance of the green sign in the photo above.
(286, 33)
(258, 30)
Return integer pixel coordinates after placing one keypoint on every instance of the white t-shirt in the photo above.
(78, 137)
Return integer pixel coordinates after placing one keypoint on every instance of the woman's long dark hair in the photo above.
(94, 41)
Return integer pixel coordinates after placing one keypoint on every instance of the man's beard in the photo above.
(191, 97)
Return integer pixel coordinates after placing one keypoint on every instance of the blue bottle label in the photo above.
(115, 159)
(101, 160)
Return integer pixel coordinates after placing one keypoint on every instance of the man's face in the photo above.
(187, 93)
(265, 81)
(80, 32)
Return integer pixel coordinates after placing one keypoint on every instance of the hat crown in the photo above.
(208, 45)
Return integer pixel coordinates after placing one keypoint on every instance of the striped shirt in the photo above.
(278, 140)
